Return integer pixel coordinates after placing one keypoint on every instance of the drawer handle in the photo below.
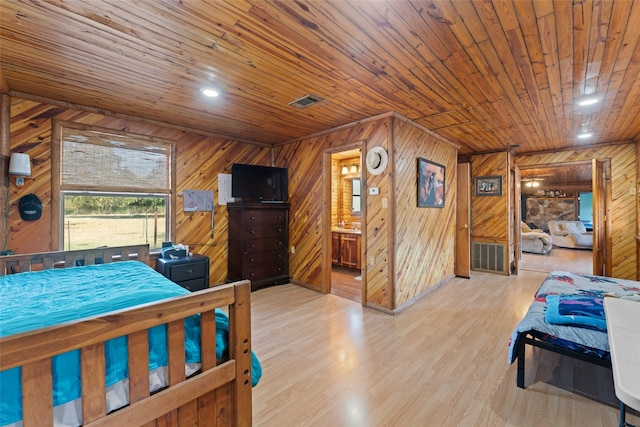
(251, 274)
(279, 230)
(253, 218)
(279, 255)
(252, 231)
(189, 272)
(253, 246)
(252, 260)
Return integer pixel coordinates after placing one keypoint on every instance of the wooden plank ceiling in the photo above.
(486, 75)
(565, 175)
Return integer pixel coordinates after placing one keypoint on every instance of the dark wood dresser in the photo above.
(259, 243)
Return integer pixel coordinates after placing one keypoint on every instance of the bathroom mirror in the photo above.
(355, 197)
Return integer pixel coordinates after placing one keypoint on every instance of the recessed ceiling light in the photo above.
(588, 101)
(585, 135)
(210, 92)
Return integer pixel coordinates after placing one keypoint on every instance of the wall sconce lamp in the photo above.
(20, 166)
(354, 168)
(345, 170)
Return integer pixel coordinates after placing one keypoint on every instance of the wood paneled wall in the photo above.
(489, 214)
(424, 237)
(306, 226)
(5, 108)
(407, 249)
(199, 161)
(623, 201)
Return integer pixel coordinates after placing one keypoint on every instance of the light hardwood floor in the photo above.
(328, 361)
(562, 259)
(344, 283)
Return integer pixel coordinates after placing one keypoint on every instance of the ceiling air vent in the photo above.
(305, 101)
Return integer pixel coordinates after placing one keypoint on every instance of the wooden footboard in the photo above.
(219, 394)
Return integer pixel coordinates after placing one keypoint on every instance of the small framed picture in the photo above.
(488, 186)
(430, 184)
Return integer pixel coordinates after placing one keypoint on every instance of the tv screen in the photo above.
(259, 183)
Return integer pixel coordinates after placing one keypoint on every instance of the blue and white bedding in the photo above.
(38, 299)
(580, 330)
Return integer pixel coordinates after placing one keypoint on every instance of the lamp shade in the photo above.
(20, 164)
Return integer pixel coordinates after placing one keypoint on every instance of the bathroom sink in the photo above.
(345, 230)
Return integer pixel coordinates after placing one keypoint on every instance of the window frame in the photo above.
(57, 214)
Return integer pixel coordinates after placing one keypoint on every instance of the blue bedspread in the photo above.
(566, 283)
(38, 299)
(585, 311)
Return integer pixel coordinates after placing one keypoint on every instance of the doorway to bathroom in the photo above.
(344, 223)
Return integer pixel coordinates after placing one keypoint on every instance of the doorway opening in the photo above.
(345, 225)
(549, 194)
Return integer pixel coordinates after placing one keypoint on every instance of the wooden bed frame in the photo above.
(218, 395)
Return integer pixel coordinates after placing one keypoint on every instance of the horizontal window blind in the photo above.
(92, 159)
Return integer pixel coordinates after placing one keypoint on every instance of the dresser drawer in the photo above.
(195, 284)
(265, 230)
(261, 258)
(259, 272)
(266, 216)
(268, 244)
(180, 273)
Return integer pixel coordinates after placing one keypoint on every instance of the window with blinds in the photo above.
(91, 159)
(114, 188)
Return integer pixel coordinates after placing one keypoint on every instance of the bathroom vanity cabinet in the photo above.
(345, 249)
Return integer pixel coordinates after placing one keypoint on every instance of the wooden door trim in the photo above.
(460, 270)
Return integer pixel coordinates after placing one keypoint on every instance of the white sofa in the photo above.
(570, 234)
(534, 241)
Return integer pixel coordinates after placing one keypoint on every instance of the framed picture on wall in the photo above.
(430, 184)
(488, 186)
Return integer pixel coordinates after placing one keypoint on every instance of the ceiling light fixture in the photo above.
(590, 100)
(585, 135)
(210, 92)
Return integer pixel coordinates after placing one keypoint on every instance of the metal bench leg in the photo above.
(623, 416)
(520, 356)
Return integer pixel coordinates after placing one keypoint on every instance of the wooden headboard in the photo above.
(45, 261)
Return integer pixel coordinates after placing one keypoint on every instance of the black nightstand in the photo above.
(191, 272)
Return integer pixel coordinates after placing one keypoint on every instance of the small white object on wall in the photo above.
(224, 189)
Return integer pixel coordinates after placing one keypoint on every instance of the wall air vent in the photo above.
(305, 101)
(489, 257)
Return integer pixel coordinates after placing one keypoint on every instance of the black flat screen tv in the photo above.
(259, 183)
